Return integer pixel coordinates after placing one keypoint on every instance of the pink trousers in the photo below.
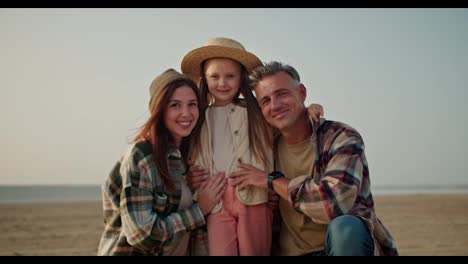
(239, 229)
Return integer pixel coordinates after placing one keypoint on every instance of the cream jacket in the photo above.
(238, 121)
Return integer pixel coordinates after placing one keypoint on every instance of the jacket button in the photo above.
(236, 132)
(232, 110)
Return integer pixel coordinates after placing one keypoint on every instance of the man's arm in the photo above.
(335, 193)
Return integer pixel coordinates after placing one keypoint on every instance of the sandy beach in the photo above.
(421, 225)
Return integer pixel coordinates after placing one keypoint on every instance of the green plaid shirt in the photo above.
(140, 215)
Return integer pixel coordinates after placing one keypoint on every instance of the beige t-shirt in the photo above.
(180, 248)
(298, 234)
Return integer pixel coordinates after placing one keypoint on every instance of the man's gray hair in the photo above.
(272, 68)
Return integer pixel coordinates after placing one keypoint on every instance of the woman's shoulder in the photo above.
(138, 151)
(143, 146)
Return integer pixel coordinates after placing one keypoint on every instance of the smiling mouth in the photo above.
(223, 91)
(185, 124)
(279, 115)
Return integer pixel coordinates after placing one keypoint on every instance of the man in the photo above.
(321, 175)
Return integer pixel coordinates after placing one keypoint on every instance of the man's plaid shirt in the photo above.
(339, 183)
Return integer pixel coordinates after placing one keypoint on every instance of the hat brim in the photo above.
(191, 63)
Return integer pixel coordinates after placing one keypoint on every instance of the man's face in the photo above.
(281, 100)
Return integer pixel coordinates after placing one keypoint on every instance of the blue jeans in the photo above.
(347, 235)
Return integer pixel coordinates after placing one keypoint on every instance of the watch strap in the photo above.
(273, 176)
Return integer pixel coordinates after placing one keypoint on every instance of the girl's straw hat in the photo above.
(217, 48)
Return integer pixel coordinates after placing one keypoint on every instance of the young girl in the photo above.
(148, 207)
(232, 131)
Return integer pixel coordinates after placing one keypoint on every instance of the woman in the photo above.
(148, 207)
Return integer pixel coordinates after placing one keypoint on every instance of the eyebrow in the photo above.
(274, 93)
(178, 101)
(281, 90)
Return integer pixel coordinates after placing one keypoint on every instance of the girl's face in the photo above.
(181, 113)
(223, 79)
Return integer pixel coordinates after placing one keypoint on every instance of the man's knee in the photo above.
(346, 226)
(348, 235)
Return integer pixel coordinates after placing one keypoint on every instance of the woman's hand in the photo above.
(210, 192)
(196, 175)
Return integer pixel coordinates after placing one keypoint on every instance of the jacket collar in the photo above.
(316, 125)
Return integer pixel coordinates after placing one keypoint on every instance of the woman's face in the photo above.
(181, 113)
(223, 79)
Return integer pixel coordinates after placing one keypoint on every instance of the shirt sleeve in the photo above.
(335, 193)
(143, 226)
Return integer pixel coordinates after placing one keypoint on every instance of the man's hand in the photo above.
(248, 175)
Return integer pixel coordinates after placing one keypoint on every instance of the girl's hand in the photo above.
(315, 111)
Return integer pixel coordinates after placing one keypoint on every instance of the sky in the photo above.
(74, 83)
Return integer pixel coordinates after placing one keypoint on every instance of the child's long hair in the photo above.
(260, 133)
(155, 131)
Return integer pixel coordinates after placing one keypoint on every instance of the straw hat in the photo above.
(217, 48)
(160, 82)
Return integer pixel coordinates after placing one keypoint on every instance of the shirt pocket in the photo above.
(160, 203)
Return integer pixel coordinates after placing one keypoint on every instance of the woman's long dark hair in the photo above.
(260, 133)
(155, 131)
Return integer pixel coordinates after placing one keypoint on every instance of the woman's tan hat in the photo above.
(217, 48)
(160, 82)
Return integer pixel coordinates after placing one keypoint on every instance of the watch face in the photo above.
(276, 174)
(273, 176)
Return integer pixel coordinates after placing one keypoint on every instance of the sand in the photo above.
(421, 225)
(426, 225)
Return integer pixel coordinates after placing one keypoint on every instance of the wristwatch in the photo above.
(273, 176)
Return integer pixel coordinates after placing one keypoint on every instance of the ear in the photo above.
(302, 92)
